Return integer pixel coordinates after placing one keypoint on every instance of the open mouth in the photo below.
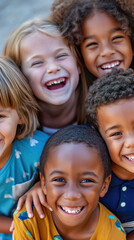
(109, 66)
(56, 84)
(72, 210)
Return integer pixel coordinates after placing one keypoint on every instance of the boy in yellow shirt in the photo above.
(75, 170)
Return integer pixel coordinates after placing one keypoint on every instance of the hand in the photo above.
(36, 196)
(11, 227)
(130, 236)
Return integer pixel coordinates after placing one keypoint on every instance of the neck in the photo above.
(58, 116)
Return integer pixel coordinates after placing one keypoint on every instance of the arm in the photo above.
(130, 236)
(35, 196)
(5, 223)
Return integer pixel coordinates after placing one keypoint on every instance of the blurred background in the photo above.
(14, 12)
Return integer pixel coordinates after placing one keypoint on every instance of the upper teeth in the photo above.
(55, 82)
(68, 210)
(131, 158)
(110, 65)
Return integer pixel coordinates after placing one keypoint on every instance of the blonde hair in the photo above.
(15, 93)
(46, 26)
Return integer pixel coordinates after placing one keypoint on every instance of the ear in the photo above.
(43, 184)
(105, 186)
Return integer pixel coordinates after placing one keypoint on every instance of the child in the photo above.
(20, 144)
(110, 109)
(101, 30)
(52, 70)
(75, 170)
(55, 76)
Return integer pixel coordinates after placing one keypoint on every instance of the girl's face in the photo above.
(104, 45)
(9, 121)
(50, 67)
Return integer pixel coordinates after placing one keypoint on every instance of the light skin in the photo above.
(116, 125)
(73, 183)
(53, 75)
(9, 121)
(104, 45)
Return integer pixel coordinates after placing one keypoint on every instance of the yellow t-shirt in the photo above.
(108, 227)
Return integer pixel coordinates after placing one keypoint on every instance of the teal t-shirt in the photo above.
(20, 173)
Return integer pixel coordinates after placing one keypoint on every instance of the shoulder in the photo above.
(112, 225)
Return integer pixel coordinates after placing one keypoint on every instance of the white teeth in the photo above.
(68, 210)
(131, 158)
(108, 65)
(55, 82)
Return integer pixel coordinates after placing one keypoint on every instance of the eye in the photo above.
(2, 116)
(87, 180)
(62, 55)
(117, 38)
(116, 134)
(59, 180)
(36, 63)
(92, 45)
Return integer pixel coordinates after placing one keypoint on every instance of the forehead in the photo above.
(98, 20)
(116, 112)
(42, 37)
(78, 156)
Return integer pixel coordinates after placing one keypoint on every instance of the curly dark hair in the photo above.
(78, 134)
(70, 14)
(119, 84)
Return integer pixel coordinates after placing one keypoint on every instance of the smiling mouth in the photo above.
(56, 84)
(109, 66)
(72, 210)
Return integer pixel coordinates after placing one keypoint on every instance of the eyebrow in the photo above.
(111, 128)
(56, 51)
(92, 36)
(90, 173)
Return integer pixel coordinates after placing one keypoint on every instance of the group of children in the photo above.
(42, 76)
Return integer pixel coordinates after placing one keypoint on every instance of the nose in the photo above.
(106, 50)
(52, 67)
(72, 192)
(129, 140)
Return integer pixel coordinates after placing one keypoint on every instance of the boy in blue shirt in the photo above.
(110, 110)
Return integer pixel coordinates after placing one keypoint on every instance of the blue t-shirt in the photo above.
(20, 172)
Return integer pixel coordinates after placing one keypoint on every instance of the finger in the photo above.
(28, 204)
(21, 202)
(38, 206)
(12, 227)
(43, 201)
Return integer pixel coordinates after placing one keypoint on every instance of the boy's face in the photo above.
(50, 68)
(104, 45)
(116, 125)
(74, 181)
(9, 121)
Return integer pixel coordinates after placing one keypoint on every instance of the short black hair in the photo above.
(78, 134)
(111, 87)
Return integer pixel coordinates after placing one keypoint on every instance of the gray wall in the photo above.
(14, 12)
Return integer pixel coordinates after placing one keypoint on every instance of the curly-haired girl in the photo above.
(102, 32)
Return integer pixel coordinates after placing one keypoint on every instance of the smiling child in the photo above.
(75, 170)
